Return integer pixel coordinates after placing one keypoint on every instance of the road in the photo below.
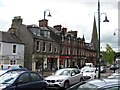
(103, 75)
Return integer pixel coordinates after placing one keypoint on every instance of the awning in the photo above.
(65, 57)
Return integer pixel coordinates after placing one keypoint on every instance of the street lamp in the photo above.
(115, 31)
(106, 20)
(49, 15)
(118, 45)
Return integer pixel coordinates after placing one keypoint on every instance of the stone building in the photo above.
(49, 47)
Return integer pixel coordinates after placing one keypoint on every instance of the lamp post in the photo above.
(118, 46)
(115, 31)
(106, 20)
(49, 15)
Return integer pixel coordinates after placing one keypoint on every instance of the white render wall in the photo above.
(6, 52)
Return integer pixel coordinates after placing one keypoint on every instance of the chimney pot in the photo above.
(64, 29)
(58, 27)
(43, 23)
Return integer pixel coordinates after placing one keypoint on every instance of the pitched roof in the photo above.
(37, 32)
(9, 38)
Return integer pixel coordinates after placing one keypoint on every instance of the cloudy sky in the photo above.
(72, 14)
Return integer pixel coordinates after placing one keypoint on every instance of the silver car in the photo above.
(63, 78)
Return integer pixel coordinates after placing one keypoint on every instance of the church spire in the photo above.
(83, 39)
(94, 39)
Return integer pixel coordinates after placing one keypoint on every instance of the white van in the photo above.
(89, 64)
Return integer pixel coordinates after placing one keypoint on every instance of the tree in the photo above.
(109, 54)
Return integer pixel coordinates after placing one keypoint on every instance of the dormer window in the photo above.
(47, 34)
(38, 32)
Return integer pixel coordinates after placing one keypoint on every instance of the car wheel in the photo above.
(66, 84)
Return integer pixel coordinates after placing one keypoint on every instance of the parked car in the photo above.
(9, 70)
(9, 66)
(20, 80)
(89, 73)
(84, 68)
(114, 76)
(63, 78)
(89, 64)
(97, 84)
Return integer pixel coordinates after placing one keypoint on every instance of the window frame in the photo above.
(55, 49)
(37, 46)
(50, 47)
(16, 46)
(13, 62)
(44, 46)
(23, 79)
(38, 79)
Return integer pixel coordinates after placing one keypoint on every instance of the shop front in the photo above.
(65, 61)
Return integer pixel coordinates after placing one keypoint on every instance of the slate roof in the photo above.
(9, 38)
(35, 29)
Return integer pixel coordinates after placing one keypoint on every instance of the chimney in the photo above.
(17, 20)
(12, 29)
(64, 29)
(74, 33)
(58, 27)
(43, 23)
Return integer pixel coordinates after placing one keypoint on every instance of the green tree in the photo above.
(108, 54)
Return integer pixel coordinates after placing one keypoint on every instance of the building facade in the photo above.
(49, 48)
(11, 49)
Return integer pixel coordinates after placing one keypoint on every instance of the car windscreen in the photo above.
(8, 78)
(89, 70)
(62, 72)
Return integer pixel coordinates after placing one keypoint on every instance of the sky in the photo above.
(75, 15)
